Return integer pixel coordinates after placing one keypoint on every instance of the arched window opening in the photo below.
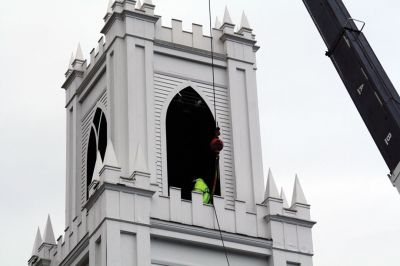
(190, 128)
(97, 144)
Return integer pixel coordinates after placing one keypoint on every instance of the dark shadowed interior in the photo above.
(190, 128)
(97, 142)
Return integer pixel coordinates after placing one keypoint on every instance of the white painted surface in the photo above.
(133, 217)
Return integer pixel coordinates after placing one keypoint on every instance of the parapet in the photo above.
(173, 37)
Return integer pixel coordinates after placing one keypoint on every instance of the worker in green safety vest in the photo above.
(202, 187)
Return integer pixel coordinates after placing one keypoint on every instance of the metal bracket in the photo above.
(354, 20)
(346, 27)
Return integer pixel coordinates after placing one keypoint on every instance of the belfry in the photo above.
(141, 113)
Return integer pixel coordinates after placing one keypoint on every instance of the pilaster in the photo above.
(244, 115)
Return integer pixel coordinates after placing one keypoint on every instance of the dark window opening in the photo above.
(91, 156)
(96, 118)
(103, 137)
(190, 128)
(97, 144)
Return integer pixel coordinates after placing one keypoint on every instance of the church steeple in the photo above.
(141, 115)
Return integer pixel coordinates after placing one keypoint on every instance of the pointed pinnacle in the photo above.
(244, 23)
(298, 194)
(109, 8)
(227, 17)
(79, 53)
(48, 235)
(218, 24)
(140, 163)
(110, 159)
(271, 190)
(283, 197)
(97, 168)
(38, 242)
(138, 4)
(71, 61)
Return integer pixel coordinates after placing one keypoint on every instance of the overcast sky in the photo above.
(309, 124)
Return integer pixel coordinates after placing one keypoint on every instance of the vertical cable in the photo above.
(212, 62)
(216, 124)
(220, 233)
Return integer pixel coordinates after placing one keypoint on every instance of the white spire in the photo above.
(110, 158)
(140, 163)
(227, 17)
(138, 4)
(38, 242)
(283, 197)
(79, 53)
(298, 194)
(71, 61)
(244, 23)
(97, 168)
(48, 235)
(109, 8)
(217, 23)
(271, 190)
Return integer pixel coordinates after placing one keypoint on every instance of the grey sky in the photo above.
(309, 124)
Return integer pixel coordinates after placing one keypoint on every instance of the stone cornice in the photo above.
(46, 245)
(293, 251)
(42, 262)
(190, 79)
(74, 74)
(33, 259)
(289, 220)
(209, 233)
(238, 39)
(76, 251)
(116, 187)
(188, 49)
(127, 13)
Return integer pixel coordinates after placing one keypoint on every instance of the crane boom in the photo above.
(370, 88)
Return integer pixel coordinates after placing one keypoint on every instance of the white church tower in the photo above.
(140, 117)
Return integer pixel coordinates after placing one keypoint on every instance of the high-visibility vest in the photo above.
(202, 187)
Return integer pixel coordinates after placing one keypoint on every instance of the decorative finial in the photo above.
(110, 159)
(140, 162)
(138, 4)
(48, 235)
(244, 23)
(298, 194)
(79, 53)
(271, 190)
(37, 243)
(97, 168)
(109, 8)
(283, 197)
(71, 61)
(227, 17)
(217, 23)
